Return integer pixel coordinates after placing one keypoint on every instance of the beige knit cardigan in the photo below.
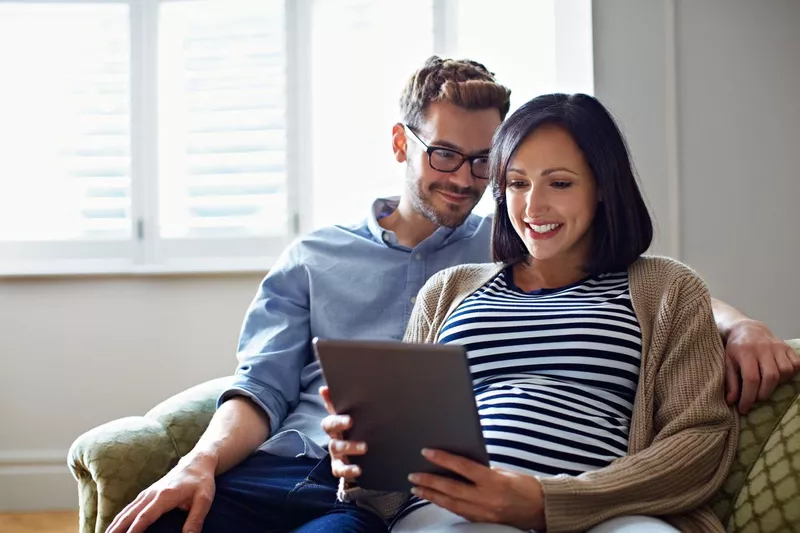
(683, 436)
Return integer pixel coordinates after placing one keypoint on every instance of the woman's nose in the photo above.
(536, 203)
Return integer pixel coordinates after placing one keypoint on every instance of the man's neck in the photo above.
(410, 226)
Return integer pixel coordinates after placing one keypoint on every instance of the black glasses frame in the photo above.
(430, 150)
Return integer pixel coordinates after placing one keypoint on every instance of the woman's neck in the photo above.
(548, 274)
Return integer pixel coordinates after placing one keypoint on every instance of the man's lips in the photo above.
(455, 198)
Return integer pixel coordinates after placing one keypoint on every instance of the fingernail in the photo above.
(361, 447)
(415, 491)
(345, 419)
(413, 478)
(427, 453)
(355, 470)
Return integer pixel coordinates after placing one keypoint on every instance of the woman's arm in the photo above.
(695, 432)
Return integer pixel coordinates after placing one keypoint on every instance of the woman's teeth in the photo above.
(546, 228)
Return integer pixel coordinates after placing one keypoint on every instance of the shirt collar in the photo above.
(383, 207)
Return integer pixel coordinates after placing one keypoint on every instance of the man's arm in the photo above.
(755, 359)
(237, 428)
(273, 349)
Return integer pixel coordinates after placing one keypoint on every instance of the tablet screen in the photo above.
(402, 398)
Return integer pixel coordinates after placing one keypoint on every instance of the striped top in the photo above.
(555, 372)
(683, 435)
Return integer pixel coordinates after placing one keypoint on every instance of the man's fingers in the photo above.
(201, 503)
(785, 364)
(158, 506)
(751, 381)
(731, 381)
(123, 520)
(326, 397)
(794, 357)
(770, 376)
(341, 469)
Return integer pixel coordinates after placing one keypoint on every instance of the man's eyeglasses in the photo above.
(449, 160)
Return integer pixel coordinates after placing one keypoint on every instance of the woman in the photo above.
(598, 373)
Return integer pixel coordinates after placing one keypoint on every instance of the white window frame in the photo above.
(146, 252)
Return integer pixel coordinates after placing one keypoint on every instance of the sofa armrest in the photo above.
(759, 428)
(114, 462)
(186, 415)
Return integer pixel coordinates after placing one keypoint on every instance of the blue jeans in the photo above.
(267, 493)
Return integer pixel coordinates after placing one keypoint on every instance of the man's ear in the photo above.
(399, 143)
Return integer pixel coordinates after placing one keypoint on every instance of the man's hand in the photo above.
(497, 496)
(756, 361)
(189, 486)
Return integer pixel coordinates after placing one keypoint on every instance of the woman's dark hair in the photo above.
(622, 229)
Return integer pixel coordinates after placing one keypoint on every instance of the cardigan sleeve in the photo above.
(695, 432)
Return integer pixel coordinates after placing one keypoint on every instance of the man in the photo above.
(358, 282)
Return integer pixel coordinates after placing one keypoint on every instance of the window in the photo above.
(183, 135)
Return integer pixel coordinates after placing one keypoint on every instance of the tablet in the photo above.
(402, 398)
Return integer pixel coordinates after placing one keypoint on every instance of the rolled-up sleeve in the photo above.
(275, 340)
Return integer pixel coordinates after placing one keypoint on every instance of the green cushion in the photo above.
(770, 498)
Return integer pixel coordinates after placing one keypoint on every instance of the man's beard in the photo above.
(453, 215)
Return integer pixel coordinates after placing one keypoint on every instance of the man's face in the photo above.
(447, 198)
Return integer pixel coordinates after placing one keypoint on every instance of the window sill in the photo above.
(186, 267)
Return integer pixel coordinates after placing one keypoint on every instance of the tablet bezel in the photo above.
(402, 397)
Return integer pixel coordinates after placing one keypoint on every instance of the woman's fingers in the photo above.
(326, 397)
(344, 470)
(336, 424)
(347, 448)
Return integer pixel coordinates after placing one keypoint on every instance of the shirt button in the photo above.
(385, 236)
(413, 299)
(418, 256)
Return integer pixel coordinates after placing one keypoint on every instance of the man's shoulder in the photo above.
(321, 245)
(478, 223)
(332, 236)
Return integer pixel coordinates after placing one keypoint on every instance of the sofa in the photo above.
(112, 463)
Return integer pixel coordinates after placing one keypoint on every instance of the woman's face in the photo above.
(551, 196)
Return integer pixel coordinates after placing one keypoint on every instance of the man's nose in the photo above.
(463, 177)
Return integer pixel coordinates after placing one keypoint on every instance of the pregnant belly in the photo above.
(541, 432)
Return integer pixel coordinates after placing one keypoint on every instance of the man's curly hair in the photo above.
(461, 82)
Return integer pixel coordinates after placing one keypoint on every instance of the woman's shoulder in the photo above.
(465, 275)
(664, 274)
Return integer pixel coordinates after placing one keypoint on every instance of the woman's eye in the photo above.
(561, 184)
(516, 184)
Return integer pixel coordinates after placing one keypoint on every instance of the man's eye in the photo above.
(446, 154)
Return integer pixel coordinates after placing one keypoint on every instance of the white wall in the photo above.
(739, 102)
(78, 352)
(707, 92)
